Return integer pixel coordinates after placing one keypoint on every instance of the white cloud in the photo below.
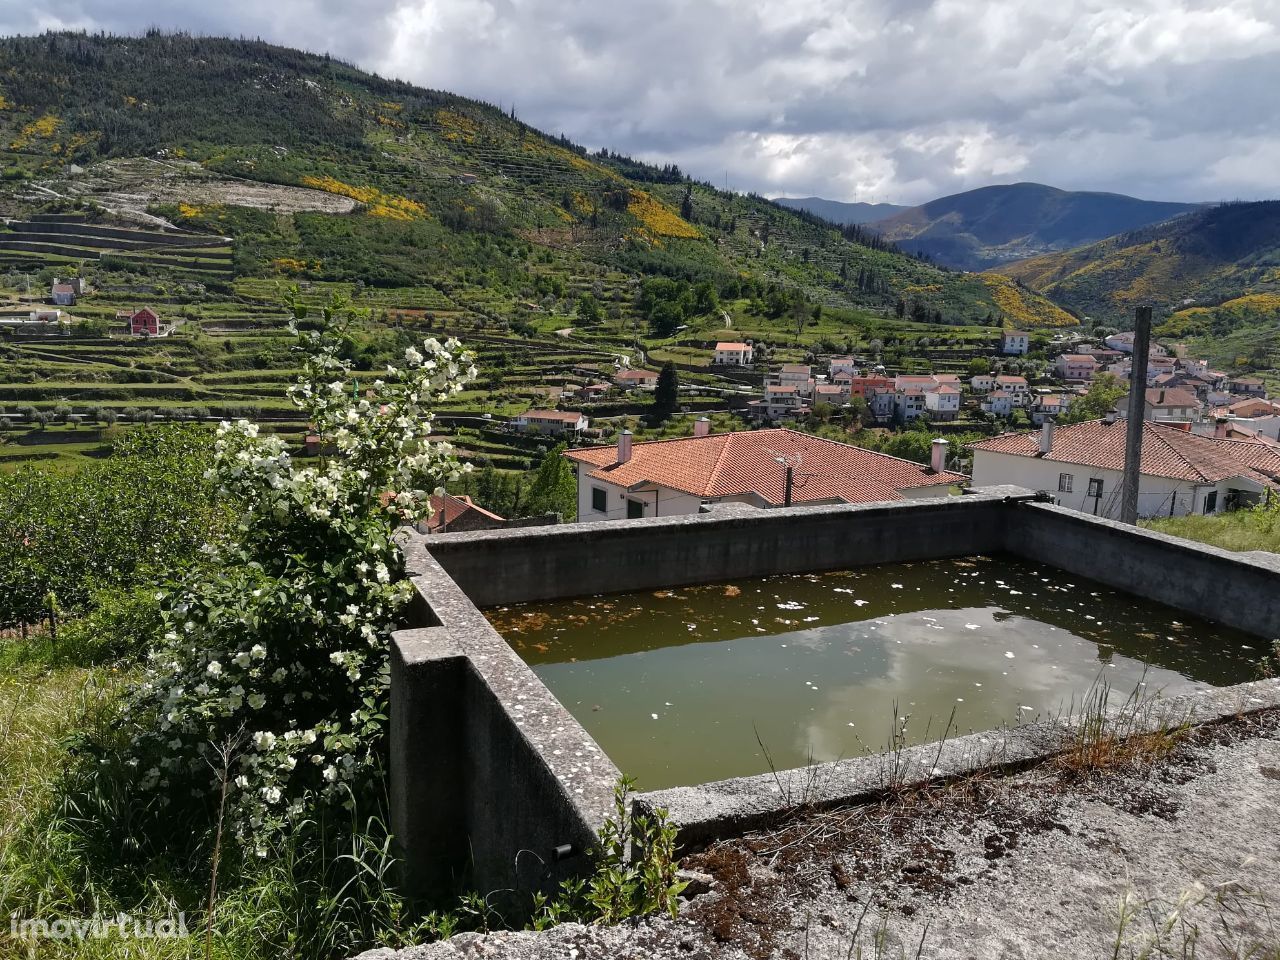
(888, 99)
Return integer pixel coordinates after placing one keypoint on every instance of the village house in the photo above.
(1075, 366)
(454, 513)
(1081, 466)
(780, 401)
(1016, 387)
(1048, 406)
(835, 394)
(663, 478)
(865, 387)
(881, 403)
(146, 323)
(636, 379)
(732, 355)
(799, 376)
(63, 294)
(553, 423)
(1164, 404)
(1015, 343)
(1246, 386)
(943, 402)
(982, 383)
(1123, 342)
(998, 403)
(846, 365)
(592, 391)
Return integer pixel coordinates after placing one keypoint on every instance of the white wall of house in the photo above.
(1157, 496)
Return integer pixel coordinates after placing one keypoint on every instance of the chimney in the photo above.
(1221, 427)
(624, 446)
(701, 427)
(938, 460)
(1046, 438)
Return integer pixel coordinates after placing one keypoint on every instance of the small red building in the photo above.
(145, 322)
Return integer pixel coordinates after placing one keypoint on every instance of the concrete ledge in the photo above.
(729, 808)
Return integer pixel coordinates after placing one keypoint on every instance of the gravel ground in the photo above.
(1174, 851)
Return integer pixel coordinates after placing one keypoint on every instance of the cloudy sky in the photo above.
(895, 100)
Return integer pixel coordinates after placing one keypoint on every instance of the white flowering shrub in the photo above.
(280, 647)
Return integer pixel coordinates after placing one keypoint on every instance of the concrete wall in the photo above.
(732, 541)
(490, 773)
(1240, 590)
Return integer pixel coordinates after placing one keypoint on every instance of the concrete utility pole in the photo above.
(1137, 415)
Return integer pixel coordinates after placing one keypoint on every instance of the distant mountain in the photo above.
(1213, 275)
(838, 211)
(993, 225)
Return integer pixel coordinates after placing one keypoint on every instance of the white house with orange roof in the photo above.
(732, 354)
(663, 478)
(1016, 387)
(1081, 465)
(554, 423)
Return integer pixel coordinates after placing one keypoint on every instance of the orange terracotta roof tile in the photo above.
(733, 464)
(1166, 451)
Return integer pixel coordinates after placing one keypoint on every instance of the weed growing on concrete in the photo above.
(794, 795)
(635, 871)
(1130, 736)
(1229, 921)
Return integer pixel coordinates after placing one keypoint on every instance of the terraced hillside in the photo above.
(228, 171)
(45, 239)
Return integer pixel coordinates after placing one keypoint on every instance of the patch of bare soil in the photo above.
(131, 185)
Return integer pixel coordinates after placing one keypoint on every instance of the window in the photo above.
(1211, 502)
(598, 500)
(1064, 482)
(1095, 487)
(635, 509)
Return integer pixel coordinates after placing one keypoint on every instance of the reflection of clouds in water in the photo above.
(929, 662)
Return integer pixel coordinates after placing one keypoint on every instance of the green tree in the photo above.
(978, 366)
(666, 395)
(555, 487)
(1102, 396)
(589, 311)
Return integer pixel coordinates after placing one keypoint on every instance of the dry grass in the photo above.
(1130, 736)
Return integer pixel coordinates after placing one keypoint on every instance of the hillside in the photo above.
(215, 128)
(994, 225)
(228, 171)
(1214, 277)
(839, 211)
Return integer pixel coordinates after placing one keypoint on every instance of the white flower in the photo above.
(331, 773)
(257, 701)
(264, 740)
(214, 669)
(242, 659)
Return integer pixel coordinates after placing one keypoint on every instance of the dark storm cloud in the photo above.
(885, 99)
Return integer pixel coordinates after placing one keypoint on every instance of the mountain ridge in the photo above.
(841, 211)
(1000, 223)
